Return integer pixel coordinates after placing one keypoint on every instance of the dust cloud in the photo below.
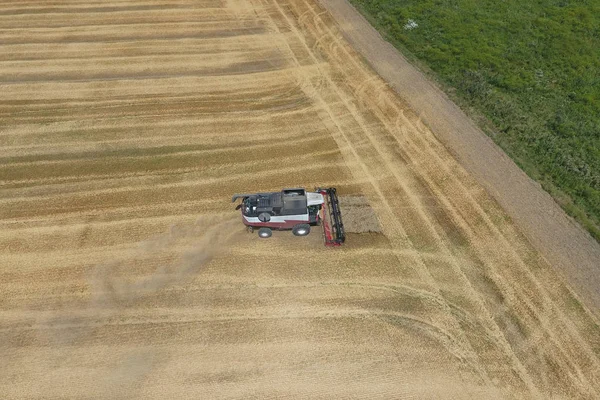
(202, 241)
(112, 294)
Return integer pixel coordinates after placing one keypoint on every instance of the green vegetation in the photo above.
(531, 68)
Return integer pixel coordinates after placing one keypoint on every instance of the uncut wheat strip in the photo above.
(125, 17)
(194, 203)
(141, 149)
(181, 85)
(17, 208)
(194, 135)
(166, 137)
(220, 100)
(32, 133)
(211, 131)
(125, 212)
(148, 109)
(115, 177)
(138, 66)
(127, 171)
(152, 109)
(117, 33)
(154, 93)
(95, 3)
(197, 108)
(48, 8)
(10, 68)
(49, 185)
(211, 161)
(91, 50)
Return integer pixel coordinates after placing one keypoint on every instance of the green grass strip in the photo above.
(527, 71)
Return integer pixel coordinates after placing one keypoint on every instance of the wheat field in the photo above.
(125, 272)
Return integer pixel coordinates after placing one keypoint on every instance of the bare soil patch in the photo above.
(358, 215)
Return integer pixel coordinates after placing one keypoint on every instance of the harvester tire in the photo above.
(265, 233)
(301, 230)
(250, 229)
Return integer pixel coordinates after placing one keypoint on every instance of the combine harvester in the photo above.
(294, 209)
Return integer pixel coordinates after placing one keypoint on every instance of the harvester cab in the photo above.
(293, 209)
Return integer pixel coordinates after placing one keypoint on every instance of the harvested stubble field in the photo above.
(124, 271)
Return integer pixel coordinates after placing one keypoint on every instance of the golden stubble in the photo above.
(126, 127)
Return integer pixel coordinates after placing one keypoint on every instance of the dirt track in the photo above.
(135, 121)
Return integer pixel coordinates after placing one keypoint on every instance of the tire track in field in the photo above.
(582, 344)
(496, 262)
(464, 350)
(92, 237)
(91, 167)
(364, 128)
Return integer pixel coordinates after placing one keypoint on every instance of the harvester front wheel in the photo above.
(301, 230)
(265, 233)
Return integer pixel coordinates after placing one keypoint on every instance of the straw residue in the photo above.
(358, 216)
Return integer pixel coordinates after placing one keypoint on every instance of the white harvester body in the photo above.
(293, 209)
